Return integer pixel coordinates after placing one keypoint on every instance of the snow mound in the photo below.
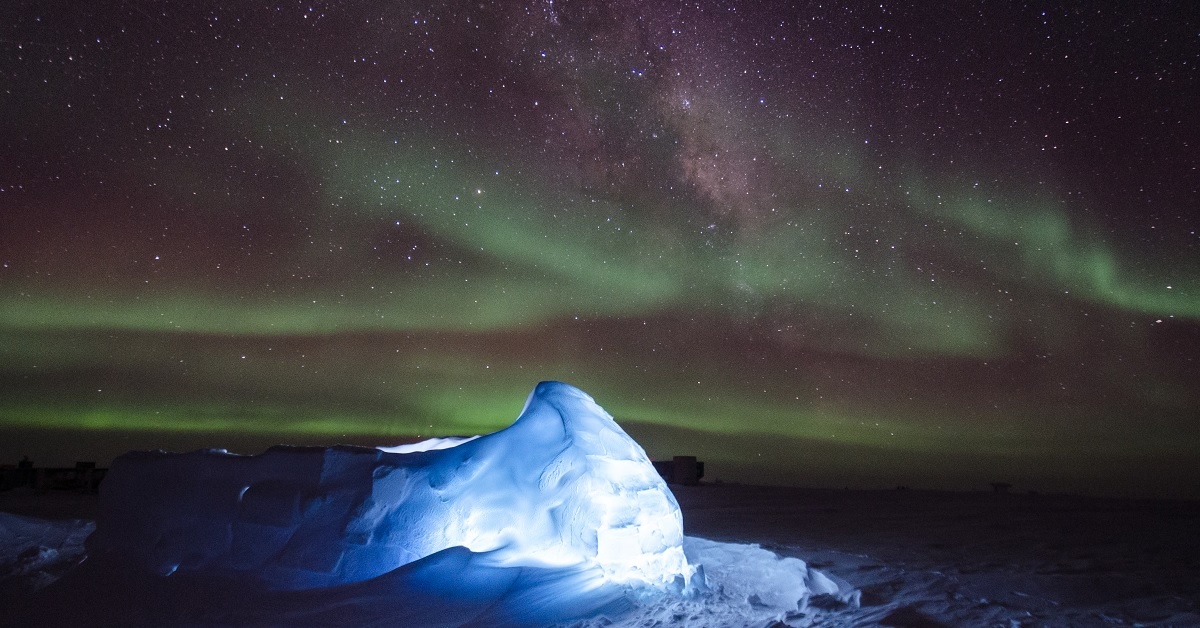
(563, 486)
(560, 518)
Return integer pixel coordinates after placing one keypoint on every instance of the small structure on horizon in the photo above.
(84, 477)
(685, 470)
(1000, 487)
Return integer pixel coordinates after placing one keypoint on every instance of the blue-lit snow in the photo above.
(560, 517)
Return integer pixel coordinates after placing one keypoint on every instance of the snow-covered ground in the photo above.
(924, 558)
(35, 552)
(919, 558)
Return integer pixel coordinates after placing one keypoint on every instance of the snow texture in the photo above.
(563, 486)
(561, 517)
(34, 553)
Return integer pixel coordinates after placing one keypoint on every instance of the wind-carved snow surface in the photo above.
(560, 517)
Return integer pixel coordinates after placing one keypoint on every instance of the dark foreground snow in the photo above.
(919, 558)
(929, 558)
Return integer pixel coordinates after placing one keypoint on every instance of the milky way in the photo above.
(859, 245)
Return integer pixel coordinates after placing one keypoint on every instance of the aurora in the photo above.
(860, 246)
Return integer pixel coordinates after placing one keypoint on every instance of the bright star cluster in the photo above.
(852, 244)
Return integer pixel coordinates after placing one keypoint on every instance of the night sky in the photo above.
(835, 244)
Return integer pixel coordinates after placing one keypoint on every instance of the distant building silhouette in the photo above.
(684, 470)
(84, 477)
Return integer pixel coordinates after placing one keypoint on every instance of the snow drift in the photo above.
(563, 486)
(559, 517)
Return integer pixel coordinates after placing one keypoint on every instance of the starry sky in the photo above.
(824, 244)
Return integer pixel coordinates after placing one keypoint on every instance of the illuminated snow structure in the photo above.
(559, 517)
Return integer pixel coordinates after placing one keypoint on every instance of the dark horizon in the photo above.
(862, 243)
(794, 463)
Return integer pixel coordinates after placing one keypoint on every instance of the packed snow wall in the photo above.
(562, 486)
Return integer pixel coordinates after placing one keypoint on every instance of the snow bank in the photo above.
(563, 486)
(559, 517)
